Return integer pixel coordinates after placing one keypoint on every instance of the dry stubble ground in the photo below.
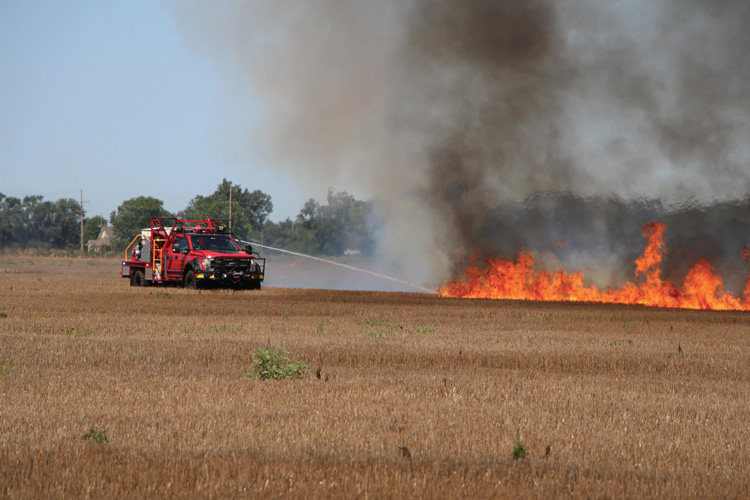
(605, 389)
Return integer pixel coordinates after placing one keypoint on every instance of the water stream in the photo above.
(352, 268)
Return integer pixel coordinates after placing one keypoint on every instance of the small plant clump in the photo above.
(275, 364)
(224, 328)
(426, 330)
(377, 327)
(96, 435)
(72, 331)
(519, 450)
(6, 368)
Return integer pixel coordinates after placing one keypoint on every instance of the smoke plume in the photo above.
(491, 125)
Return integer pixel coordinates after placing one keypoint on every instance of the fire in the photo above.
(501, 278)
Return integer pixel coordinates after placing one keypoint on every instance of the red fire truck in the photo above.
(191, 253)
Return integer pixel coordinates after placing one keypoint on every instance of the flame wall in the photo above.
(454, 115)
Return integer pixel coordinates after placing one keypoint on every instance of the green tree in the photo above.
(63, 228)
(135, 214)
(33, 222)
(12, 221)
(329, 229)
(36, 213)
(249, 209)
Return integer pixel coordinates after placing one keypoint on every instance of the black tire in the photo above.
(253, 285)
(137, 279)
(190, 282)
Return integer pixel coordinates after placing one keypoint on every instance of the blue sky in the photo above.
(107, 97)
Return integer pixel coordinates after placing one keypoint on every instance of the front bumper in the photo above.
(228, 277)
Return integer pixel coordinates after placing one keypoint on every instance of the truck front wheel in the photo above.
(190, 281)
(137, 279)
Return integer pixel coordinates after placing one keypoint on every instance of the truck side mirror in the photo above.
(249, 249)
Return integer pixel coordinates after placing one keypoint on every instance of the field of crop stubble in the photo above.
(418, 396)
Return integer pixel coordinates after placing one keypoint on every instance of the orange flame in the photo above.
(504, 279)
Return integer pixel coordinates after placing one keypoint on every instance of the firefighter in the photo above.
(137, 251)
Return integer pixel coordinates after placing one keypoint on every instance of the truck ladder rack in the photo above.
(159, 237)
(158, 257)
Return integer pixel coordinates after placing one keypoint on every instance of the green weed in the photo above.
(426, 330)
(618, 343)
(96, 435)
(72, 331)
(224, 328)
(519, 450)
(378, 328)
(275, 364)
(6, 368)
(185, 330)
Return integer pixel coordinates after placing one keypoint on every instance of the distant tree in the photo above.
(12, 221)
(64, 224)
(36, 214)
(310, 213)
(33, 222)
(135, 214)
(249, 209)
(325, 229)
(343, 224)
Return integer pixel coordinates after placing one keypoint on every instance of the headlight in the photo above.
(206, 264)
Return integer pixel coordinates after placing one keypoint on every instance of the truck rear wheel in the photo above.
(137, 279)
(190, 282)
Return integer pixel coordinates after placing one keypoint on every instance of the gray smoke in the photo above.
(455, 114)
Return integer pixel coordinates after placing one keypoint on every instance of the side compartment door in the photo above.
(176, 257)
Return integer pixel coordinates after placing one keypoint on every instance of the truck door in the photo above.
(176, 257)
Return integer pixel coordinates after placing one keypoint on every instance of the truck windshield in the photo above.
(214, 243)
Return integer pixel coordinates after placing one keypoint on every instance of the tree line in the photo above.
(333, 228)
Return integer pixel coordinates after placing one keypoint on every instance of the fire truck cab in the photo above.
(191, 253)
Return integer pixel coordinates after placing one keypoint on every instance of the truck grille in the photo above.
(230, 265)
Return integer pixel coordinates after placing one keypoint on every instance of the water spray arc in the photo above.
(352, 268)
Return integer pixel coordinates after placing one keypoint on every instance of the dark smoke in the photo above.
(603, 237)
(492, 125)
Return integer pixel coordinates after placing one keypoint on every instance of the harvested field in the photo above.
(408, 395)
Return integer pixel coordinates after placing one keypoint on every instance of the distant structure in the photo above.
(104, 242)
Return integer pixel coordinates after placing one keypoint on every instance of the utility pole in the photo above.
(230, 206)
(82, 202)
